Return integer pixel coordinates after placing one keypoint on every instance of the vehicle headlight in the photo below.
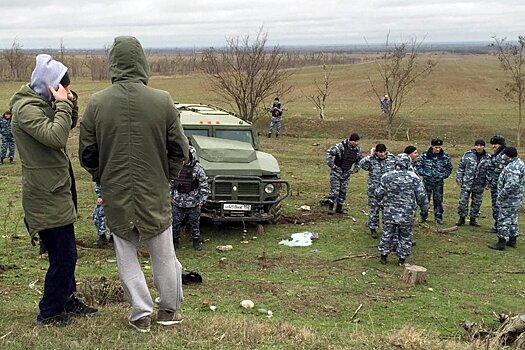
(269, 188)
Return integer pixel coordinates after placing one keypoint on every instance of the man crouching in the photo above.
(401, 193)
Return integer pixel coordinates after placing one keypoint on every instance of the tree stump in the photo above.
(414, 274)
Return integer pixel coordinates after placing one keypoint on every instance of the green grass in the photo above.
(312, 297)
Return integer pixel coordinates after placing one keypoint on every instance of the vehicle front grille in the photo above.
(246, 191)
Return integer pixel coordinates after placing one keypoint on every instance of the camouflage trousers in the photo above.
(99, 219)
(495, 207)
(476, 195)
(8, 142)
(193, 216)
(508, 222)
(374, 206)
(275, 122)
(403, 233)
(435, 192)
(338, 185)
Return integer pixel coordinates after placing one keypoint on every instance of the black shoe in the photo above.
(2, 160)
(499, 245)
(330, 208)
(11, 160)
(197, 245)
(401, 262)
(439, 221)
(277, 136)
(473, 222)
(101, 241)
(339, 209)
(269, 135)
(383, 260)
(461, 221)
(59, 320)
(76, 307)
(512, 242)
(110, 240)
(373, 233)
(324, 201)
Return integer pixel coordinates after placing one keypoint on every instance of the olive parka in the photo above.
(132, 143)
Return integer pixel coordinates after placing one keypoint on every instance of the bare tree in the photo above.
(17, 61)
(400, 69)
(321, 91)
(244, 73)
(512, 61)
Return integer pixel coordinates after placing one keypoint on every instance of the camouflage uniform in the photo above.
(401, 192)
(434, 168)
(385, 104)
(495, 167)
(99, 218)
(510, 196)
(8, 141)
(276, 111)
(188, 198)
(472, 177)
(376, 168)
(340, 176)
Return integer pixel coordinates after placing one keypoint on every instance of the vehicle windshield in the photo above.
(237, 135)
(200, 132)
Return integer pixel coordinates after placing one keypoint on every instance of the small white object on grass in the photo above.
(247, 304)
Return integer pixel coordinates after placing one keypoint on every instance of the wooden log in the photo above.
(414, 274)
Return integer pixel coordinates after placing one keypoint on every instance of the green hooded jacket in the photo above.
(41, 130)
(132, 143)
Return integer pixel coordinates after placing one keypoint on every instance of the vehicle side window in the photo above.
(237, 135)
(200, 132)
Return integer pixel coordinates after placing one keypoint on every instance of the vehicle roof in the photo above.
(200, 114)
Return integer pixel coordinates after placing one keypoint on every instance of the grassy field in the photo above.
(313, 297)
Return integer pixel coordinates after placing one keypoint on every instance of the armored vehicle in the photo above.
(245, 182)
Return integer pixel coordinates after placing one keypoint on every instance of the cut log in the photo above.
(414, 274)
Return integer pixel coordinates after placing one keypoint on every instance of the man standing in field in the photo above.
(471, 177)
(509, 200)
(132, 143)
(496, 165)
(377, 163)
(276, 111)
(412, 152)
(342, 159)
(434, 166)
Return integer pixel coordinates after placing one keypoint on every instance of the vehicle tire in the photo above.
(275, 210)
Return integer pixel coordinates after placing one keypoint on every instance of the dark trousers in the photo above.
(60, 281)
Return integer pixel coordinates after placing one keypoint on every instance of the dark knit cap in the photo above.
(354, 137)
(510, 152)
(65, 80)
(410, 149)
(436, 142)
(380, 147)
(479, 142)
(497, 140)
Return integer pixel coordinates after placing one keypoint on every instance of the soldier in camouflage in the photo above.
(434, 166)
(509, 200)
(496, 165)
(471, 176)
(401, 192)
(8, 141)
(189, 193)
(342, 159)
(99, 219)
(413, 153)
(378, 163)
(276, 110)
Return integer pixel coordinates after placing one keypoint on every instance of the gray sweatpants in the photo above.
(167, 273)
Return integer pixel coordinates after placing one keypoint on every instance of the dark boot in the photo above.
(270, 134)
(101, 241)
(473, 222)
(461, 221)
(2, 160)
(383, 260)
(373, 233)
(331, 209)
(11, 160)
(401, 261)
(276, 136)
(197, 245)
(339, 209)
(512, 242)
(499, 245)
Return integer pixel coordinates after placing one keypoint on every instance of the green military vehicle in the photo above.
(245, 183)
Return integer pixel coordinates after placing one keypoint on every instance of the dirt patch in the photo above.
(101, 291)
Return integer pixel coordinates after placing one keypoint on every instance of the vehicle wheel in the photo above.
(276, 212)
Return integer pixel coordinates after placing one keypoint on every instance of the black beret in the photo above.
(436, 142)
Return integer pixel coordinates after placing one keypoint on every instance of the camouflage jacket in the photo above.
(5, 126)
(376, 168)
(401, 192)
(197, 195)
(337, 151)
(472, 170)
(98, 190)
(433, 167)
(496, 165)
(510, 184)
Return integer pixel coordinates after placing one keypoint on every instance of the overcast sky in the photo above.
(170, 23)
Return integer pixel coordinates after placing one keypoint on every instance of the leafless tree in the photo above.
(400, 69)
(98, 65)
(18, 61)
(511, 57)
(244, 73)
(321, 91)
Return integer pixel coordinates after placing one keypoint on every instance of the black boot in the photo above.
(499, 245)
(383, 259)
(512, 242)
(101, 241)
(373, 233)
(401, 261)
(473, 222)
(339, 209)
(331, 209)
(461, 221)
(270, 134)
(11, 160)
(2, 160)
(197, 245)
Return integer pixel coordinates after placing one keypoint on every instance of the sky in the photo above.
(92, 24)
